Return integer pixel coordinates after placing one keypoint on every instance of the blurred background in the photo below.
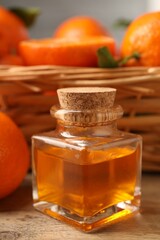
(53, 12)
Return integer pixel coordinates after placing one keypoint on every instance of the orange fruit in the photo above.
(64, 52)
(14, 156)
(10, 59)
(4, 40)
(13, 29)
(80, 27)
(143, 36)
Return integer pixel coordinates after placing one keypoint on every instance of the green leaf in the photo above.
(123, 61)
(105, 58)
(122, 23)
(27, 15)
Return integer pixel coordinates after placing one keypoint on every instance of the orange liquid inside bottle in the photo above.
(85, 189)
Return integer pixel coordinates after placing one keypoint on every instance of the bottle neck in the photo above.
(87, 118)
(97, 130)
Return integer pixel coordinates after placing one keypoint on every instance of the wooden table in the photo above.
(18, 219)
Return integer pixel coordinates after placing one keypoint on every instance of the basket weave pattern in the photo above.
(27, 94)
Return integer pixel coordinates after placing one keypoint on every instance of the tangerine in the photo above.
(143, 36)
(4, 40)
(79, 53)
(80, 27)
(14, 156)
(11, 59)
(12, 29)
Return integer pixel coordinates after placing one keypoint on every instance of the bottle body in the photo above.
(87, 176)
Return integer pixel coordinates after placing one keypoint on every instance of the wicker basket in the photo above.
(27, 93)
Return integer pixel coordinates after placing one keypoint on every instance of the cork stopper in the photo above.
(86, 98)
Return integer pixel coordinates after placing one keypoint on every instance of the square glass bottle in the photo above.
(86, 172)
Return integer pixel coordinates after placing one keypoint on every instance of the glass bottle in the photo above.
(86, 172)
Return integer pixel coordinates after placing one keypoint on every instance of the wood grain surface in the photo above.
(19, 220)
